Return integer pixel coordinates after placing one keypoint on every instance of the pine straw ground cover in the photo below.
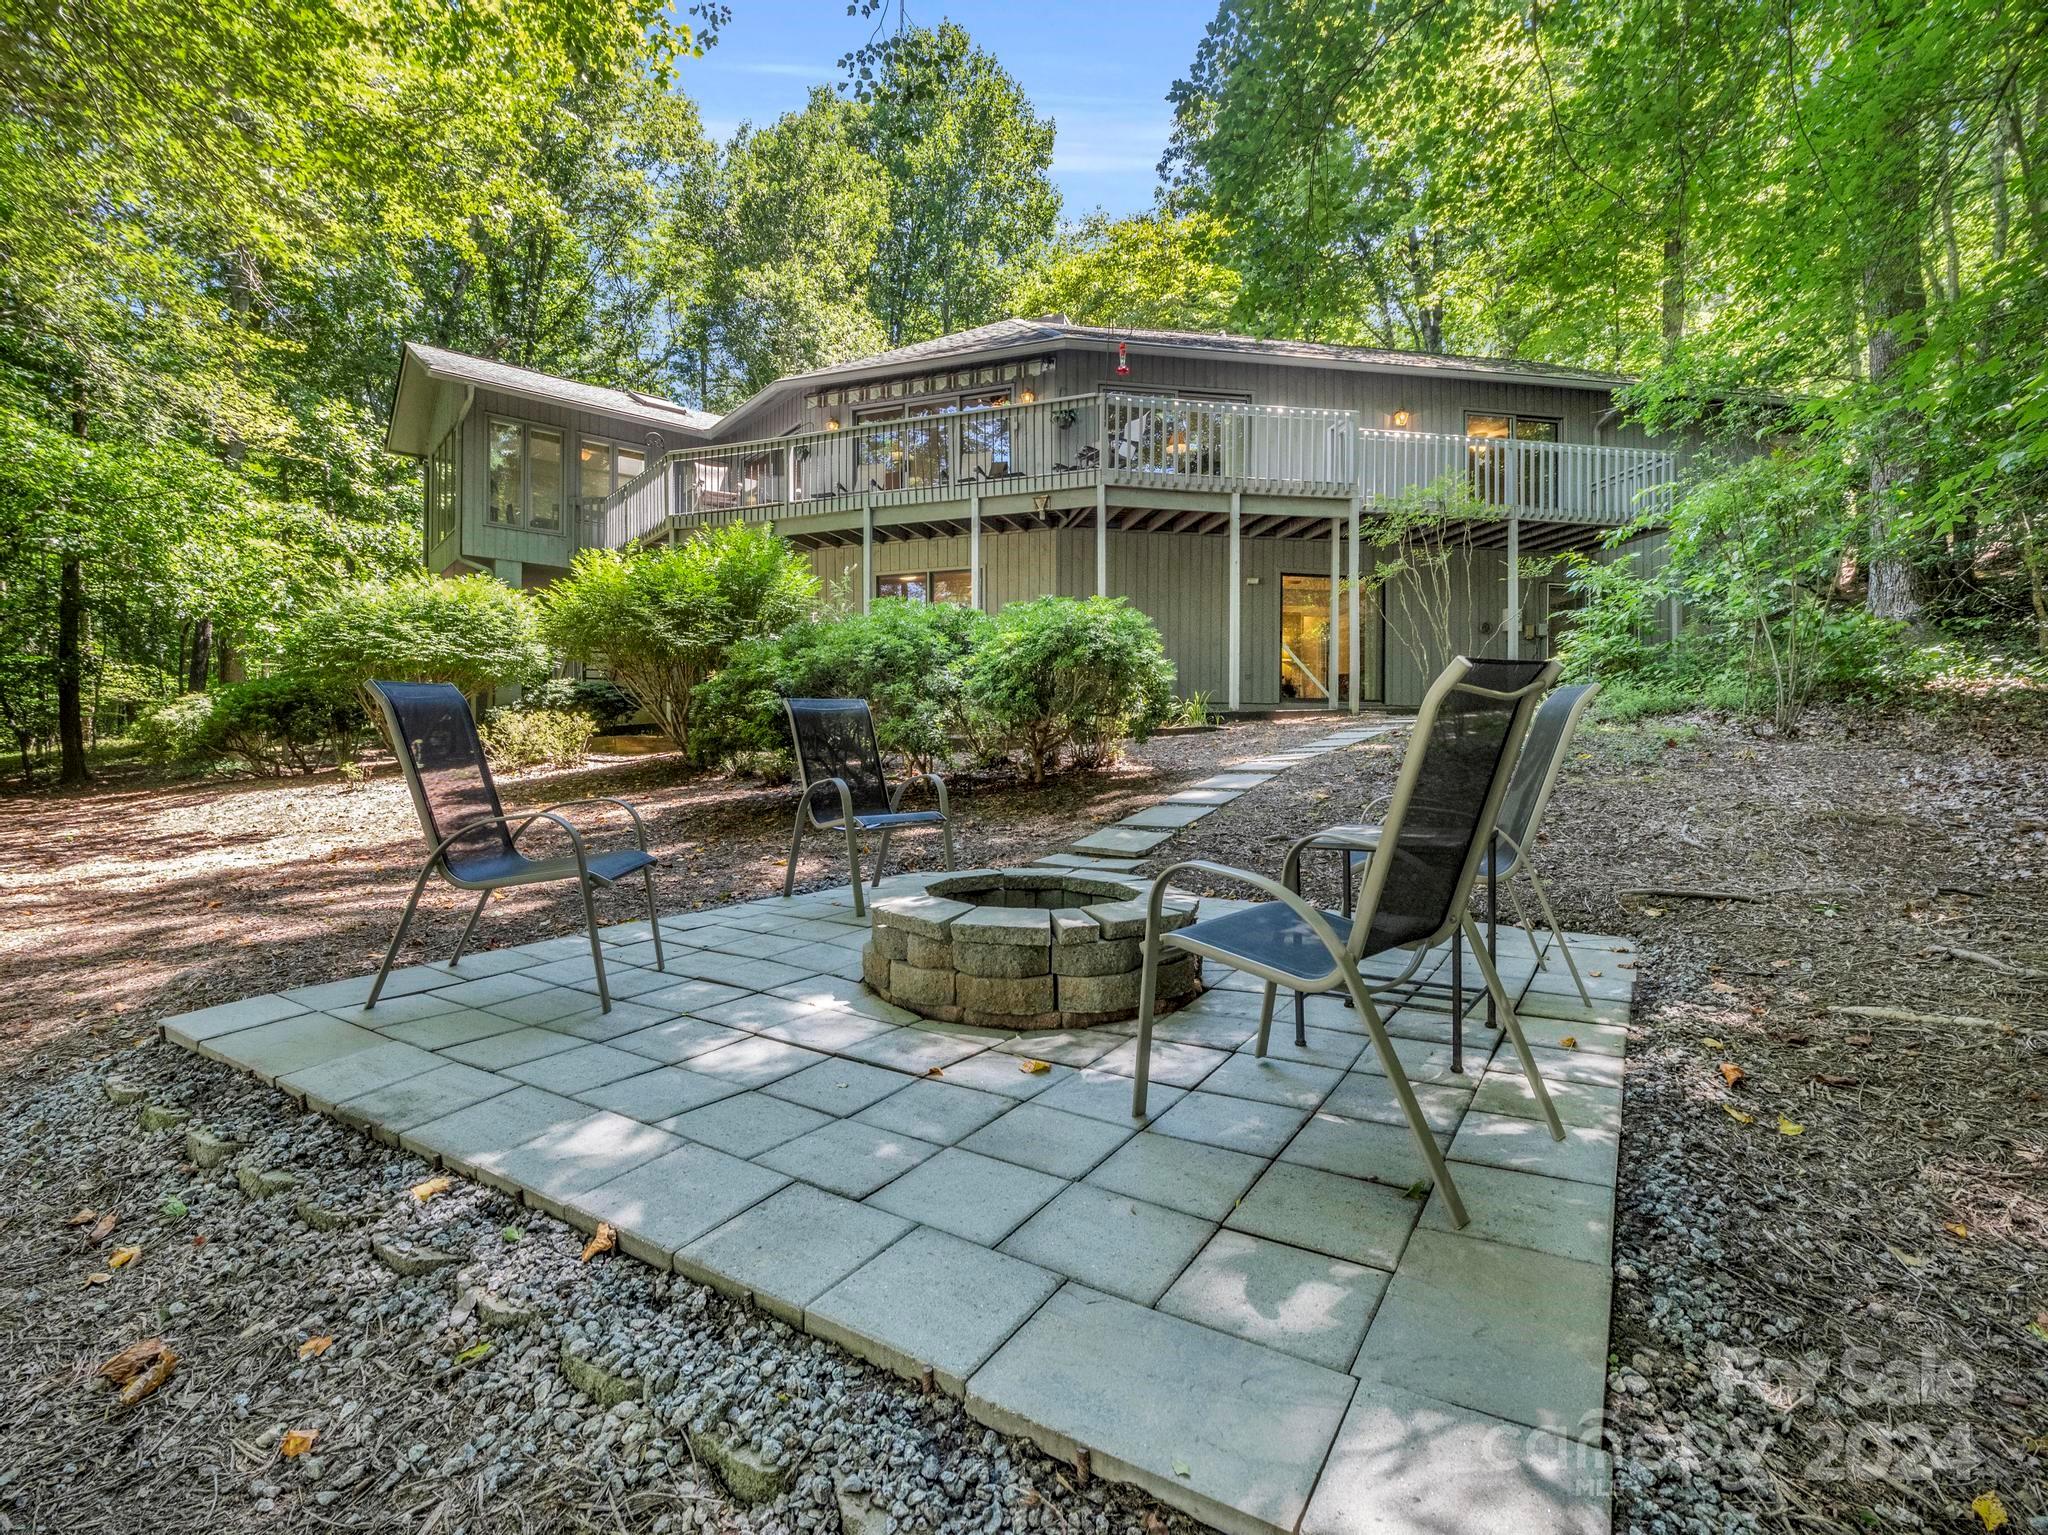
(1831, 1292)
(140, 899)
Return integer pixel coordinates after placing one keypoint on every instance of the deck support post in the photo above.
(1514, 617)
(1236, 601)
(980, 598)
(867, 555)
(1101, 540)
(1333, 661)
(1357, 581)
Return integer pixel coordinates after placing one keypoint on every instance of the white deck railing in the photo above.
(1155, 442)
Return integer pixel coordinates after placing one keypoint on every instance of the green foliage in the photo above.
(605, 702)
(271, 726)
(907, 659)
(473, 631)
(661, 621)
(1154, 271)
(1061, 676)
(516, 739)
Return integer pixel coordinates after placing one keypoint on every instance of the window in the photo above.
(441, 491)
(954, 587)
(593, 471)
(1501, 477)
(525, 476)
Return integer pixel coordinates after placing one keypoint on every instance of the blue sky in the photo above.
(1100, 71)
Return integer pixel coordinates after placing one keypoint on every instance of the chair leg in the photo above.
(1528, 929)
(796, 837)
(604, 995)
(1458, 1002)
(468, 928)
(1432, 1157)
(1513, 1024)
(881, 858)
(1266, 1015)
(946, 833)
(653, 917)
(1148, 1000)
(860, 905)
(1557, 933)
(404, 921)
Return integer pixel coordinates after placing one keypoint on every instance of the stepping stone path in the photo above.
(1248, 1304)
(1142, 831)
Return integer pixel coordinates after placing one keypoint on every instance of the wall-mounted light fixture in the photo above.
(1026, 396)
(831, 423)
(1399, 420)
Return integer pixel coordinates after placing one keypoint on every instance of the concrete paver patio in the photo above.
(1249, 1304)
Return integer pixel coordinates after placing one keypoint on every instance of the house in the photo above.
(1228, 486)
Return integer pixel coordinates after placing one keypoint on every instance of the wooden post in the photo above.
(974, 550)
(1357, 581)
(1101, 539)
(867, 554)
(1514, 585)
(1333, 660)
(1236, 601)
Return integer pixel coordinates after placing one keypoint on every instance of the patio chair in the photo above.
(1510, 850)
(472, 843)
(1467, 736)
(836, 749)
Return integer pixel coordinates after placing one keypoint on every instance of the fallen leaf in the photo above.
(173, 1208)
(313, 1348)
(123, 1367)
(1957, 1230)
(101, 1231)
(474, 1352)
(1722, 987)
(123, 1256)
(1911, 1260)
(1786, 1127)
(1034, 1068)
(92, 1279)
(1989, 1511)
(1418, 1191)
(1653, 911)
(1738, 1116)
(422, 1192)
(149, 1379)
(1592, 975)
(83, 1218)
(1712, 1043)
(1182, 1468)
(1569, 1042)
(297, 1442)
(603, 1242)
(933, 1071)
(1731, 1073)
(511, 1235)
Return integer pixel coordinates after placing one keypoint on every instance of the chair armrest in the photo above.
(639, 826)
(937, 783)
(523, 819)
(845, 800)
(1155, 904)
(1345, 839)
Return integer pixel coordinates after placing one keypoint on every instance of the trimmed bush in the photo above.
(473, 631)
(271, 727)
(1059, 676)
(605, 702)
(907, 659)
(516, 739)
(661, 621)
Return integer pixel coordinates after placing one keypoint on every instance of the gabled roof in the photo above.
(422, 367)
(1006, 337)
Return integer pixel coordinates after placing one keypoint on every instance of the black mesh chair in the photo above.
(1508, 852)
(1468, 733)
(835, 749)
(472, 843)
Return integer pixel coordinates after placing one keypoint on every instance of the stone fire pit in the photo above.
(1021, 949)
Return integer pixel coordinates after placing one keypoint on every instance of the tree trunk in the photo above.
(202, 654)
(72, 769)
(1893, 301)
(1672, 286)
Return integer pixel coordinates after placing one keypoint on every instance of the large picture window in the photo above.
(953, 587)
(526, 476)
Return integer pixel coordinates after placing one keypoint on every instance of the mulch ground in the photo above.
(141, 899)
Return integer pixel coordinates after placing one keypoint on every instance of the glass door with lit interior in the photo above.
(1305, 640)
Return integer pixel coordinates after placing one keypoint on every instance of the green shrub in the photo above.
(1059, 676)
(473, 631)
(270, 726)
(521, 738)
(907, 659)
(176, 732)
(605, 702)
(661, 621)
